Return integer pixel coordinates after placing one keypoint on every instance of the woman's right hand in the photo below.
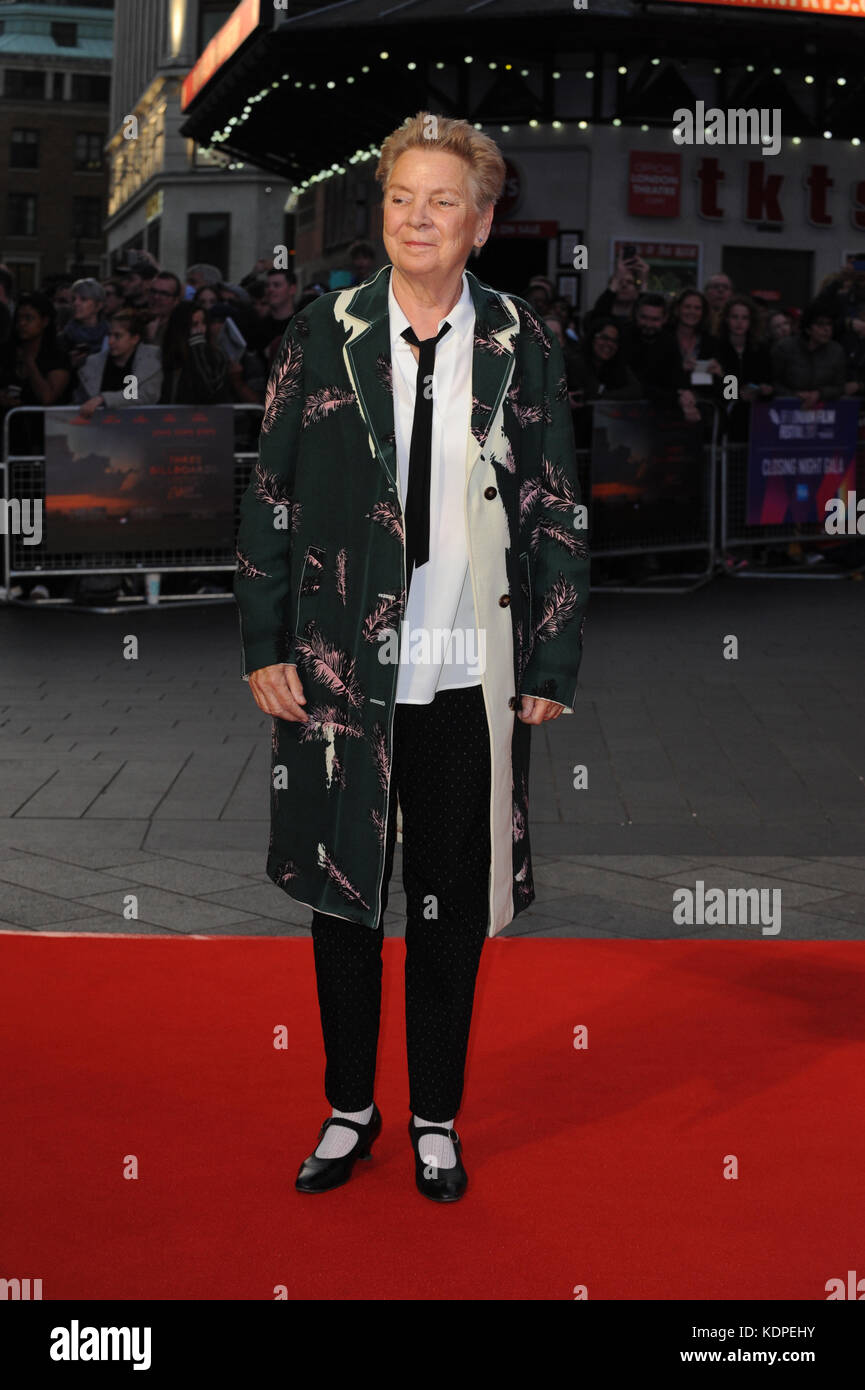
(277, 690)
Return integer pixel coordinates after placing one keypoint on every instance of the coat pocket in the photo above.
(310, 579)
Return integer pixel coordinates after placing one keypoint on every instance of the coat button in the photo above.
(504, 600)
(512, 702)
(489, 493)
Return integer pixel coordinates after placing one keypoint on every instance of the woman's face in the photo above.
(120, 341)
(739, 320)
(84, 309)
(198, 322)
(690, 311)
(30, 322)
(605, 343)
(206, 298)
(430, 223)
(779, 327)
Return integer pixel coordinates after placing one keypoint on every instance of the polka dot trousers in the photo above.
(441, 771)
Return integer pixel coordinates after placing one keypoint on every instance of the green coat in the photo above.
(321, 575)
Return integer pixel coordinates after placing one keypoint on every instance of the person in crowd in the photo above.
(60, 292)
(685, 349)
(563, 310)
(362, 256)
(247, 369)
(113, 301)
(717, 290)
(540, 294)
(743, 356)
(839, 296)
(617, 301)
(810, 365)
(7, 304)
(598, 370)
(34, 371)
(281, 294)
(203, 274)
(258, 299)
(104, 377)
(87, 330)
(164, 295)
(194, 371)
(780, 326)
(206, 297)
(639, 338)
(136, 274)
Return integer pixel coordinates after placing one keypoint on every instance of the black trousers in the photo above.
(441, 770)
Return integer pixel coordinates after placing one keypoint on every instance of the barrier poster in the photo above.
(648, 475)
(160, 478)
(799, 459)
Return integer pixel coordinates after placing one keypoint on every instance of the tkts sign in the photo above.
(768, 195)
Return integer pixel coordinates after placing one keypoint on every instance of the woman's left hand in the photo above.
(90, 407)
(535, 711)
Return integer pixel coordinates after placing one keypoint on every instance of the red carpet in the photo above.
(601, 1167)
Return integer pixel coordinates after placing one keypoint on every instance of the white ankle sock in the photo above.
(339, 1139)
(435, 1148)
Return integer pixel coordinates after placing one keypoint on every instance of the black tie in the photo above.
(417, 518)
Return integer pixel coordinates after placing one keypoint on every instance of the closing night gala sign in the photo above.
(799, 459)
(160, 478)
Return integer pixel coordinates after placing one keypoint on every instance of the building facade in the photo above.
(166, 195)
(55, 74)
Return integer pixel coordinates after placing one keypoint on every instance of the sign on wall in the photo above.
(654, 183)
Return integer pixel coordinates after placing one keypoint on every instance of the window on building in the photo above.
(23, 273)
(90, 86)
(21, 214)
(64, 35)
(87, 218)
(24, 149)
(25, 84)
(208, 239)
(88, 151)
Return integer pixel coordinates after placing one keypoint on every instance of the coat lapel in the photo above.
(363, 312)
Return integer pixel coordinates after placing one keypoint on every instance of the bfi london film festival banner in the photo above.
(798, 459)
(126, 480)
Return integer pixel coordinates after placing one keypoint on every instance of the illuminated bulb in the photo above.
(622, 70)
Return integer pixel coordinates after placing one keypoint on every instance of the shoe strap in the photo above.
(348, 1124)
(420, 1130)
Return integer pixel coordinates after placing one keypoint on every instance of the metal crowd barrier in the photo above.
(662, 546)
(24, 479)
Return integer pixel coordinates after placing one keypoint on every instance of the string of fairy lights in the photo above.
(234, 123)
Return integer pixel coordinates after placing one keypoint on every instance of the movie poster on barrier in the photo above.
(798, 459)
(160, 478)
(648, 479)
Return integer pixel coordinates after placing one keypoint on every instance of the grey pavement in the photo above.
(149, 777)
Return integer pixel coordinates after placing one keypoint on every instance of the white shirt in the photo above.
(439, 641)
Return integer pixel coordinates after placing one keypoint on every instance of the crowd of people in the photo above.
(680, 351)
(204, 340)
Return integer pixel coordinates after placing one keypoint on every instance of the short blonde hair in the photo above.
(486, 166)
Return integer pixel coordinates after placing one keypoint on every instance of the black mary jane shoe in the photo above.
(443, 1184)
(323, 1174)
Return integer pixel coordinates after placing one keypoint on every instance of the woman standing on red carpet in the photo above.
(412, 575)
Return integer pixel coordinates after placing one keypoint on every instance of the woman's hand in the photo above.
(714, 367)
(90, 407)
(533, 710)
(277, 690)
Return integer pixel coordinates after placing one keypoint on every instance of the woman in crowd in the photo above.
(747, 359)
(686, 349)
(812, 365)
(103, 380)
(194, 371)
(87, 329)
(780, 326)
(597, 369)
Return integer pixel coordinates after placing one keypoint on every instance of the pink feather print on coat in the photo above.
(339, 879)
(557, 609)
(247, 570)
(320, 715)
(387, 515)
(339, 570)
(323, 403)
(378, 821)
(380, 757)
(334, 668)
(555, 531)
(385, 615)
(283, 384)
